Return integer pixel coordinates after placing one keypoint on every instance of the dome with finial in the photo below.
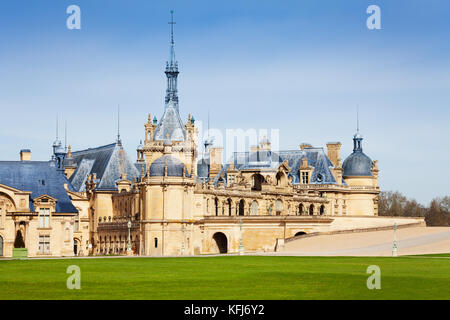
(358, 163)
(140, 146)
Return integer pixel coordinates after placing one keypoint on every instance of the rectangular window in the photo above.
(44, 218)
(44, 244)
(305, 177)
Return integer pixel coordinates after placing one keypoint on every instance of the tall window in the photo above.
(305, 177)
(44, 244)
(76, 226)
(254, 208)
(44, 218)
(278, 207)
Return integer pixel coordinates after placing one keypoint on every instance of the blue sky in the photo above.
(298, 66)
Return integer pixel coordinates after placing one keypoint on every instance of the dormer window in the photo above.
(319, 178)
(305, 177)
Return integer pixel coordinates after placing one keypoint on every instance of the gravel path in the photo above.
(417, 240)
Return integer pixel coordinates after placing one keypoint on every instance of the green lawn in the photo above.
(227, 277)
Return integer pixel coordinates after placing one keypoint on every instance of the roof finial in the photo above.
(65, 136)
(172, 42)
(357, 118)
(171, 23)
(118, 124)
(57, 129)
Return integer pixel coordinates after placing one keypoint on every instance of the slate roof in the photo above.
(39, 177)
(357, 164)
(268, 160)
(170, 126)
(203, 168)
(107, 162)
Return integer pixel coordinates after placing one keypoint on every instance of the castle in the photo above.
(176, 201)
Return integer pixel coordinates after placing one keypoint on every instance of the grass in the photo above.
(227, 277)
(438, 255)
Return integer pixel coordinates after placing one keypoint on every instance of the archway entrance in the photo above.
(221, 242)
(1, 246)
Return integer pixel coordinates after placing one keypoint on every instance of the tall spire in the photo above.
(65, 136)
(57, 128)
(172, 43)
(357, 138)
(172, 71)
(57, 145)
(170, 123)
(357, 118)
(119, 142)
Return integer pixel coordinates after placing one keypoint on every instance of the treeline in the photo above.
(393, 203)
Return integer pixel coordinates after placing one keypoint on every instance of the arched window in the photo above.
(300, 209)
(257, 182)
(241, 207)
(1, 246)
(311, 210)
(229, 207)
(278, 177)
(300, 233)
(278, 207)
(254, 208)
(281, 179)
(322, 209)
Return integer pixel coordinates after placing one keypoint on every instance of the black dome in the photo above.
(174, 167)
(357, 164)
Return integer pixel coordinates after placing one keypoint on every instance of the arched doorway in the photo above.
(300, 233)
(241, 207)
(221, 242)
(76, 246)
(1, 246)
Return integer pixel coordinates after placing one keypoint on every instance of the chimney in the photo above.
(334, 153)
(25, 155)
(215, 158)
